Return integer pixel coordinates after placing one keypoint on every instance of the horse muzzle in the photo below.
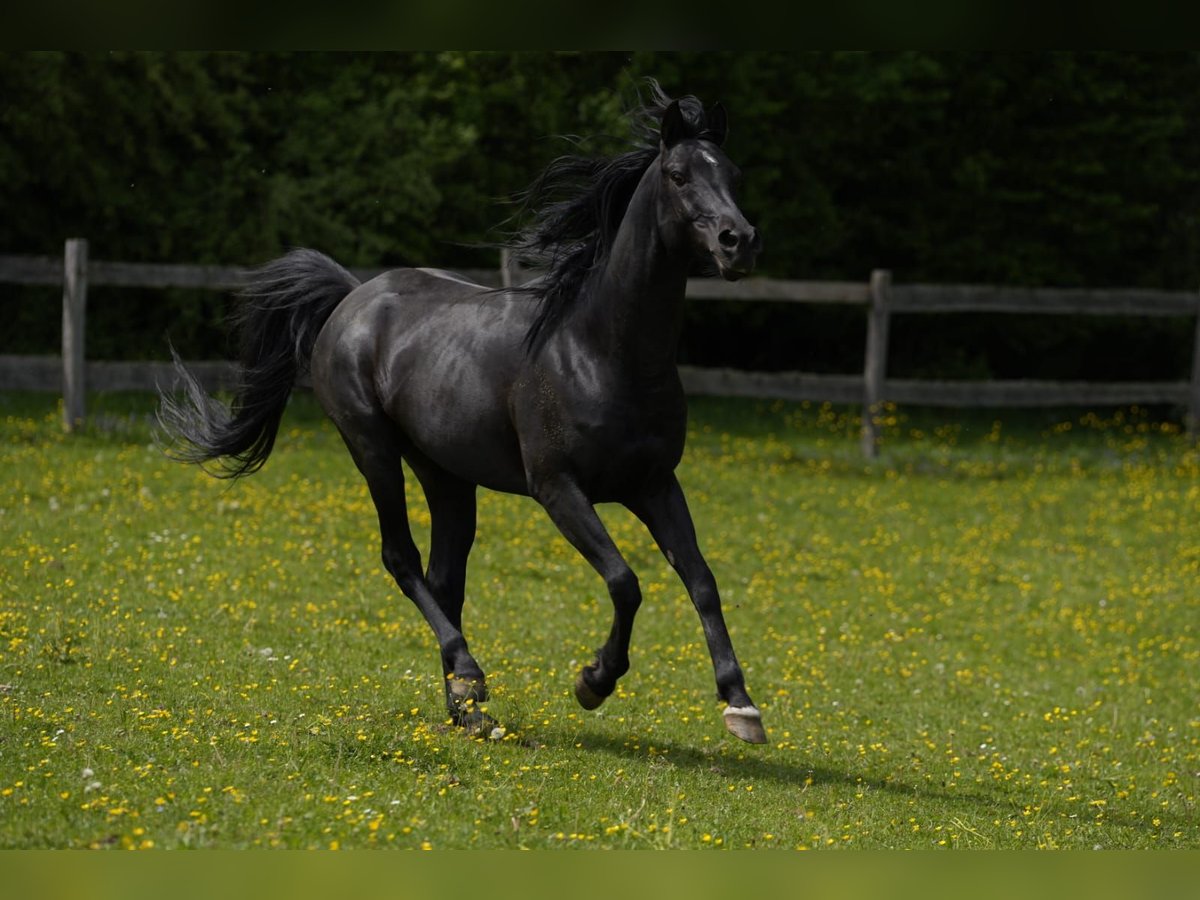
(737, 250)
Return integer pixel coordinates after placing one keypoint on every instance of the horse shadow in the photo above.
(751, 766)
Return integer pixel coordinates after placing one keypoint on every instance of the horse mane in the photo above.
(577, 204)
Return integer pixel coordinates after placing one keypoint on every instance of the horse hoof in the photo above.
(462, 690)
(477, 723)
(587, 698)
(745, 722)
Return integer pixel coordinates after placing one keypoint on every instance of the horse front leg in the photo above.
(576, 518)
(665, 513)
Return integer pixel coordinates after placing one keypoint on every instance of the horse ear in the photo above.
(673, 127)
(718, 123)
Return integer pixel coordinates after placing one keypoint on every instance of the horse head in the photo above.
(698, 187)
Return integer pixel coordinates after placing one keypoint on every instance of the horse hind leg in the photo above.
(452, 512)
(463, 679)
(377, 452)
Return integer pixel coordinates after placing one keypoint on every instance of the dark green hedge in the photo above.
(1031, 168)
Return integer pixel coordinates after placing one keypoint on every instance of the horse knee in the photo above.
(704, 593)
(404, 564)
(447, 587)
(624, 589)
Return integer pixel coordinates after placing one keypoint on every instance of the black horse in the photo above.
(565, 390)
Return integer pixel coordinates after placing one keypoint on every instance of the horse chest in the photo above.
(615, 448)
(613, 433)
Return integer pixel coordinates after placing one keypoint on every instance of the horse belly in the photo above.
(469, 441)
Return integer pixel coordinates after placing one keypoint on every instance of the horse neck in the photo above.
(634, 309)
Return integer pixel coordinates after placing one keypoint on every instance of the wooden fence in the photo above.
(880, 298)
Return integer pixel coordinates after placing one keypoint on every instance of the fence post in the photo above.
(75, 260)
(510, 268)
(875, 364)
(1192, 422)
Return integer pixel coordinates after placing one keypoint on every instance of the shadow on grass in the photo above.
(728, 760)
(752, 767)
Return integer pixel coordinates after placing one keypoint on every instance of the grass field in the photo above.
(986, 639)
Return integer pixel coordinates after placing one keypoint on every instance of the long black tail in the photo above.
(283, 306)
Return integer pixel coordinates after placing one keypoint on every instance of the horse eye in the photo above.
(678, 179)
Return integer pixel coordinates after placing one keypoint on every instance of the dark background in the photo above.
(1052, 169)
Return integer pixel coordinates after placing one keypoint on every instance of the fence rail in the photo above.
(881, 299)
(942, 298)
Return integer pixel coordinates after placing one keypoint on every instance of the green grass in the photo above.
(987, 638)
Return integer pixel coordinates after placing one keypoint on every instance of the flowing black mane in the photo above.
(577, 204)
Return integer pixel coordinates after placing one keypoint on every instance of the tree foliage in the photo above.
(1020, 168)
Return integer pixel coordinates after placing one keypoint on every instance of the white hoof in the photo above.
(745, 722)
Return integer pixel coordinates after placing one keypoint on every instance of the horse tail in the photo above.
(282, 307)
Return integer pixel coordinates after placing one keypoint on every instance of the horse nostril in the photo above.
(729, 239)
